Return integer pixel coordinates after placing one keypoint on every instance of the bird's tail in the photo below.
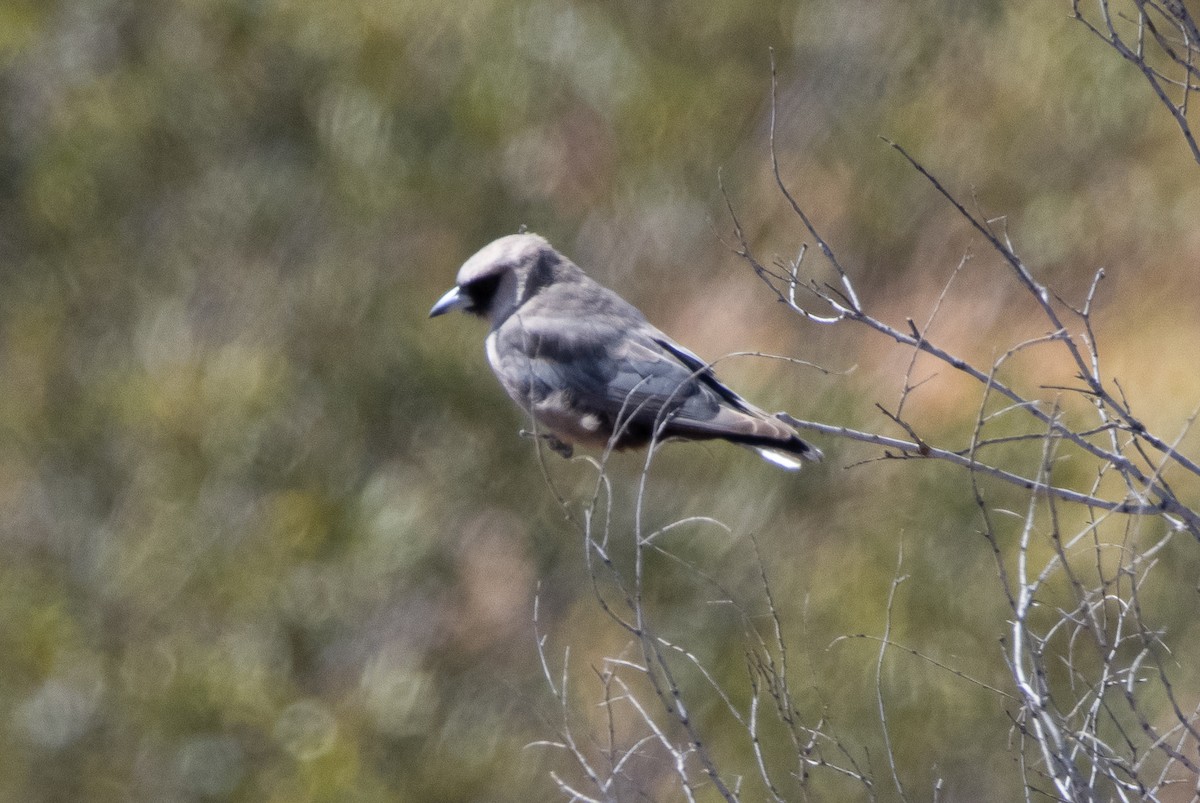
(789, 454)
(775, 439)
(776, 457)
(772, 436)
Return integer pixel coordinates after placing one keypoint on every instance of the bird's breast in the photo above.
(493, 354)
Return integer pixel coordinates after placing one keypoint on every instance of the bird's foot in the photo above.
(557, 446)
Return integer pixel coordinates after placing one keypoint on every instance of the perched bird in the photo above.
(590, 369)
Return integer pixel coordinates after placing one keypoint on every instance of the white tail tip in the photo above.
(781, 459)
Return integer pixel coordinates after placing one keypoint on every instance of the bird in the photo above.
(591, 370)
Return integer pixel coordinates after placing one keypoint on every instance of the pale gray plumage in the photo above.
(590, 368)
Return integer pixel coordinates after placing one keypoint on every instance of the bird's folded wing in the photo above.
(632, 372)
(701, 370)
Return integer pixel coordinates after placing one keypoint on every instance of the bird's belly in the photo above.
(569, 424)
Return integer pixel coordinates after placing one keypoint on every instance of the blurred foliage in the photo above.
(268, 534)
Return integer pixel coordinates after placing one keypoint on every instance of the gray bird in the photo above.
(590, 369)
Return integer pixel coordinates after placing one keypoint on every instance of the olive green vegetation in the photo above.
(269, 534)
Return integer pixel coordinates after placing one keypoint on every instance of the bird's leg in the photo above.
(557, 446)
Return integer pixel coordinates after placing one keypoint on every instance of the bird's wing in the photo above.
(623, 370)
(701, 370)
(733, 418)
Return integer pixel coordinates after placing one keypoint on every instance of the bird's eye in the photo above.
(481, 291)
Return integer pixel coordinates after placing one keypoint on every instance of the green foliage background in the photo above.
(268, 534)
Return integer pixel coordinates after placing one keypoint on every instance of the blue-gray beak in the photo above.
(455, 299)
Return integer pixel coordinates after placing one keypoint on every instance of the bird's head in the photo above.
(500, 276)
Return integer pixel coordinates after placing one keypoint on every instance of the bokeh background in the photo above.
(267, 533)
